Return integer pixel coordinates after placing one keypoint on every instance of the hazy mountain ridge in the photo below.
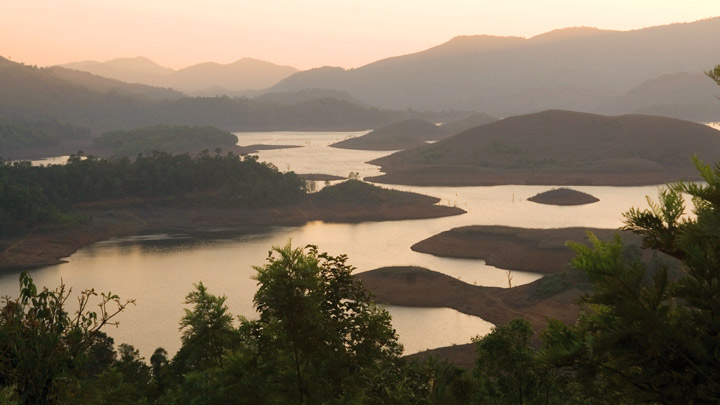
(691, 96)
(243, 74)
(577, 68)
(31, 93)
(132, 70)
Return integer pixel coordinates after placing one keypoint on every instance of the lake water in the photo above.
(159, 270)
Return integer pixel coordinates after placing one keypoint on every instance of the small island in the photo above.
(60, 208)
(534, 250)
(563, 196)
(549, 297)
(560, 148)
(399, 135)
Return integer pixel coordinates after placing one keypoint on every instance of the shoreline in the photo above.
(511, 248)
(451, 176)
(50, 247)
(420, 287)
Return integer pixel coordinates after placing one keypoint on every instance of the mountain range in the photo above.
(208, 78)
(655, 70)
(580, 69)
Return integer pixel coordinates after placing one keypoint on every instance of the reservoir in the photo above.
(160, 270)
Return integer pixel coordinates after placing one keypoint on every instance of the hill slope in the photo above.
(559, 147)
(216, 78)
(689, 96)
(31, 93)
(131, 70)
(398, 135)
(576, 69)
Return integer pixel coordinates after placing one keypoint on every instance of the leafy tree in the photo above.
(649, 334)
(507, 370)
(207, 332)
(714, 74)
(43, 348)
(320, 328)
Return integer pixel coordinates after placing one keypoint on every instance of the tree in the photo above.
(714, 74)
(207, 332)
(320, 326)
(650, 330)
(43, 348)
(507, 370)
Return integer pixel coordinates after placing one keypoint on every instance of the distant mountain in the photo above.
(131, 70)
(208, 78)
(398, 135)
(559, 148)
(575, 68)
(454, 127)
(690, 96)
(31, 94)
(304, 95)
(101, 84)
(244, 74)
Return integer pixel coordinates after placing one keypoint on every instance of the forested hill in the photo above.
(32, 196)
(30, 93)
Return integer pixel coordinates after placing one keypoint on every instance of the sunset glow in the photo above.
(303, 34)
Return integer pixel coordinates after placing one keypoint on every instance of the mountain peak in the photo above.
(562, 34)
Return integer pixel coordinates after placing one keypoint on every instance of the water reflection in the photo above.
(160, 270)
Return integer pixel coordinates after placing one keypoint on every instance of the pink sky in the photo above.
(300, 33)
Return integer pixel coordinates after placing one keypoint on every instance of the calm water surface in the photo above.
(159, 270)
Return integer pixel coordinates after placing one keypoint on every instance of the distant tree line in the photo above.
(166, 138)
(20, 134)
(34, 196)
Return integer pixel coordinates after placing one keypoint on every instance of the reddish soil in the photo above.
(534, 250)
(418, 287)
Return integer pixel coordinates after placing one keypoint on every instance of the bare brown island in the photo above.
(544, 251)
(349, 202)
(420, 287)
(522, 249)
(563, 196)
(396, 136)
(558, 148)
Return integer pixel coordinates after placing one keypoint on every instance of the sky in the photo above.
(299, 33)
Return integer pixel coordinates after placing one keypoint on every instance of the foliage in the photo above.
(646, 336)
(44, 348)
(33, 196)
(17, 134)
(165, 138)
(322, 326)
(207, 332)
(361, 192)
(714, 74)
(507, 370)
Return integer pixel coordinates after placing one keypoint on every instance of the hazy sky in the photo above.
(300, 33)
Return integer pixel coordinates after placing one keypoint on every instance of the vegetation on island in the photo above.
(165, 138)
(43, 196)
(21, 134)
(642, 336)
